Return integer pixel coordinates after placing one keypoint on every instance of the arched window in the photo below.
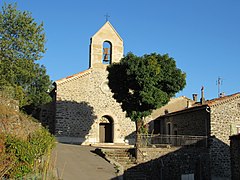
(107, 52)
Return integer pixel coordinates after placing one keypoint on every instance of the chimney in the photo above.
(195, 97)
(189, 104)
(222, 94)
(202, 100)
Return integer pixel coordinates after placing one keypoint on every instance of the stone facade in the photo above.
(189, 122)
(79, 110)
(225, 117)
(217, 119)
(175, 104)
(225, 120)
(84, 110)
(235, 156)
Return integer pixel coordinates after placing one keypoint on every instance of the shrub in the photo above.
(27, 152)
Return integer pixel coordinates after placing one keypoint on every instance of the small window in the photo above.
(169, 129)
(235, 129)
(238, 105)
(157, 127)
(187, 177)
(238, 129)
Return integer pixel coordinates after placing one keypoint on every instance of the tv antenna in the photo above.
(219, 84)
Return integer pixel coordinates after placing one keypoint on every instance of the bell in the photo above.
(105, 50)
(105, 58)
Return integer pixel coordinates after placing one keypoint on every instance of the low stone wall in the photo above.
(220, 159)
(148, 154)
(235, 156)
(47, 116)
(175, 163)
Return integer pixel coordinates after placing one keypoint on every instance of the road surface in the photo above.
(75, 162)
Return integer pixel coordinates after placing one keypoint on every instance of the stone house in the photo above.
(217, 119)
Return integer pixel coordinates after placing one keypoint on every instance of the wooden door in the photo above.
(105, 133)
(102, 132)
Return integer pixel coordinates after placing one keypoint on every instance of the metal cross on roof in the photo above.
(107, 16)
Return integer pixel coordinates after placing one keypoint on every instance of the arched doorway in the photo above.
(106, 129)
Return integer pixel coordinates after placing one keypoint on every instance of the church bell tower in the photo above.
(106, 47)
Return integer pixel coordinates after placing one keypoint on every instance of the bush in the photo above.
(28, 153)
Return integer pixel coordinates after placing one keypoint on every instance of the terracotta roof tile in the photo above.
(212, 102)
(74, 76)
(221, 99)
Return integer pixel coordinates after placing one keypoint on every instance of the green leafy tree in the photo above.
(22, 43)
(142, 84)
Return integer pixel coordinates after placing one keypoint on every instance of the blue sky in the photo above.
(202, 36)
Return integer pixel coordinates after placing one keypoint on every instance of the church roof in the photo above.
(107, 24)
(74, 76)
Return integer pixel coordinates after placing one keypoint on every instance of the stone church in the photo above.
(83, 110)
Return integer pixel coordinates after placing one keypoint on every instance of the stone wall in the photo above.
(190, 122)
(175, 104)
(235, 156)
(225, 118)
(47, 116)
(82, 101)
(220, 159)
(173, 163)
(148, 154)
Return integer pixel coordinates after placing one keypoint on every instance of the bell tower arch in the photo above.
(106, 47)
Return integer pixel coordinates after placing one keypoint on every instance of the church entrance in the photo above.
(106, 130)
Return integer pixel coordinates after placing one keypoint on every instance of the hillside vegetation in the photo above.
(25, 146)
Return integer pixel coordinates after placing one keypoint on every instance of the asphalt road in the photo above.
(75, 162)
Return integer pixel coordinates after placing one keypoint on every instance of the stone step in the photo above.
(121, 157)
(117, 155)
(117, 152)
(124, 161)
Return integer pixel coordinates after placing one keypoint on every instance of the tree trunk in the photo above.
(137, 143)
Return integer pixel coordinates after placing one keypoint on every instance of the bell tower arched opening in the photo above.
(107, 52)
(106, 47)
(106, 129)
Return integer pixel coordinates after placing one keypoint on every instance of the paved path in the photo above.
(75, 162)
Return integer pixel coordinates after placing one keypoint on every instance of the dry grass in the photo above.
(16, 123)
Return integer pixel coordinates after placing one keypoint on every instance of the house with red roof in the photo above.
(216, 119)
